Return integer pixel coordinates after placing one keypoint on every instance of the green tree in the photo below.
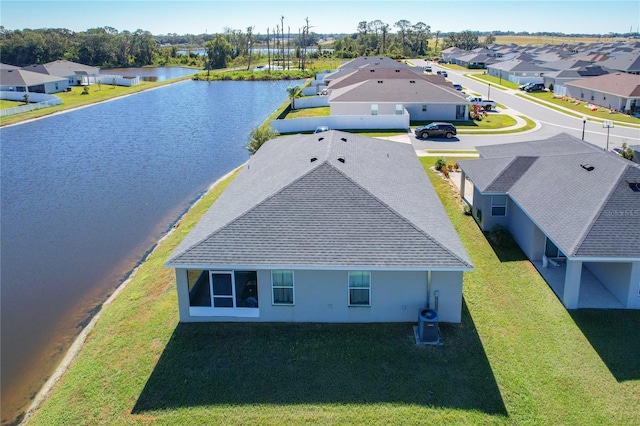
(626, 152)
(403, 26)
(259, 136)
(489, 39)
(294, 92)
(219, 51)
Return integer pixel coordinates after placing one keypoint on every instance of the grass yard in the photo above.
(581, 109)
(75, 98)
(309, 112)
(9, 104)
(517, 358)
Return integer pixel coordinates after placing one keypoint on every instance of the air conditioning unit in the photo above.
(428, 327)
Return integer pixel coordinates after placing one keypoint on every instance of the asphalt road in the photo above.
(551, 121)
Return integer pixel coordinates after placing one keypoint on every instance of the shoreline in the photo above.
(79, 341)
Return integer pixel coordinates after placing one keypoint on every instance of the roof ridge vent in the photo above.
(587, 167)
(313, 159)
(343, 139)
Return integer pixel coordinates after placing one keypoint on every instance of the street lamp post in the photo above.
(584, 123)
(607, 124)
(489, 92)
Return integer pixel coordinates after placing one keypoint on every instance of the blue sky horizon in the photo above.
(325, 16)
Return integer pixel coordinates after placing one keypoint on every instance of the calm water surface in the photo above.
(151, 73)
(87, 193)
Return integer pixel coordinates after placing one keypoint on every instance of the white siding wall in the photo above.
(322, 296)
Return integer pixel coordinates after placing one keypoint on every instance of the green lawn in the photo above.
(580, 108)
(309, 112)
(9, 104)
(517, 358)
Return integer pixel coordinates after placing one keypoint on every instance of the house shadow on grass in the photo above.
(613, 333)
(284, 363)
(505, 247)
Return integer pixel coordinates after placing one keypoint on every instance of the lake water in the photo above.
(86, 194)
(151, 73)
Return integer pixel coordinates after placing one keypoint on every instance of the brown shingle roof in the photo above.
(620, 84)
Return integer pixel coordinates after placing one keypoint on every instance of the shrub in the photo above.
(551, 87)
(85, 91)
(500, 236)
(440, 163)
(259, 136)
(466, 209)
(445, 172)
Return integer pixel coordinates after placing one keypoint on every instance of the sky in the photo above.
(325, 17)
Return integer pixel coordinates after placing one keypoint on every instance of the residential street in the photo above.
(551, 121)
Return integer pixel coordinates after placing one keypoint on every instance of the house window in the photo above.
(282, 287)
(424, 108)
(581, 94)
(499, 205)
(222, 293)
(359, 288)
(593, 96)
(374, 109)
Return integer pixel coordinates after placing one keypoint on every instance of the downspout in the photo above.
(428, 289)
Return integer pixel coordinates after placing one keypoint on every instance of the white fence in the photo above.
(115, 80)
(311, 102)
(342, 122)
(559, 90)
(40, 100)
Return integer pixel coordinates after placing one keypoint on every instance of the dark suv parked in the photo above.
(535, 87)
(447, 130)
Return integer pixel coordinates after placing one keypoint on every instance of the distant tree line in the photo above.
(409, 40)
(103, 47)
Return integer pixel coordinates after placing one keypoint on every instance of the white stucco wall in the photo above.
(322, 296)
(614, 276)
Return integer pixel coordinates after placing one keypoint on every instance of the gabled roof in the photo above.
(368, 73)
(517, 65)
(374, 210)
(22, 78)
(626, 62)
(400, 91)
(8, 67)
(620, 84)
(590, 213)
(63, 68)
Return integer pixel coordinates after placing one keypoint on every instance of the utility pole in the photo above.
(282, 25)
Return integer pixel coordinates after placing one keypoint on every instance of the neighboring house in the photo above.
(328, 227)
(370, 73)
(75, 73)
(517, 71)
(18, 80)
(573, 208)
(421, 99)
(618, 91)
(450, 53)
(628, 63)
(559, 78)
(636, 153)
(475, 60)
(8, 67)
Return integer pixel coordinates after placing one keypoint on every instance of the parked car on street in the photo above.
(535, 87)
(447, 130)
(524, 86)
(485, 104)
(457, 86)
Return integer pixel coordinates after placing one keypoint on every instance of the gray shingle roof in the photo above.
(375, 210)
(18, 77)
(586, 213)
(399, 91)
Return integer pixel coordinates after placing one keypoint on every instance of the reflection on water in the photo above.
(86, 193)
(152, 73)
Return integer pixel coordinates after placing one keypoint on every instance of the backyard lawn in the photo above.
(518, 357)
